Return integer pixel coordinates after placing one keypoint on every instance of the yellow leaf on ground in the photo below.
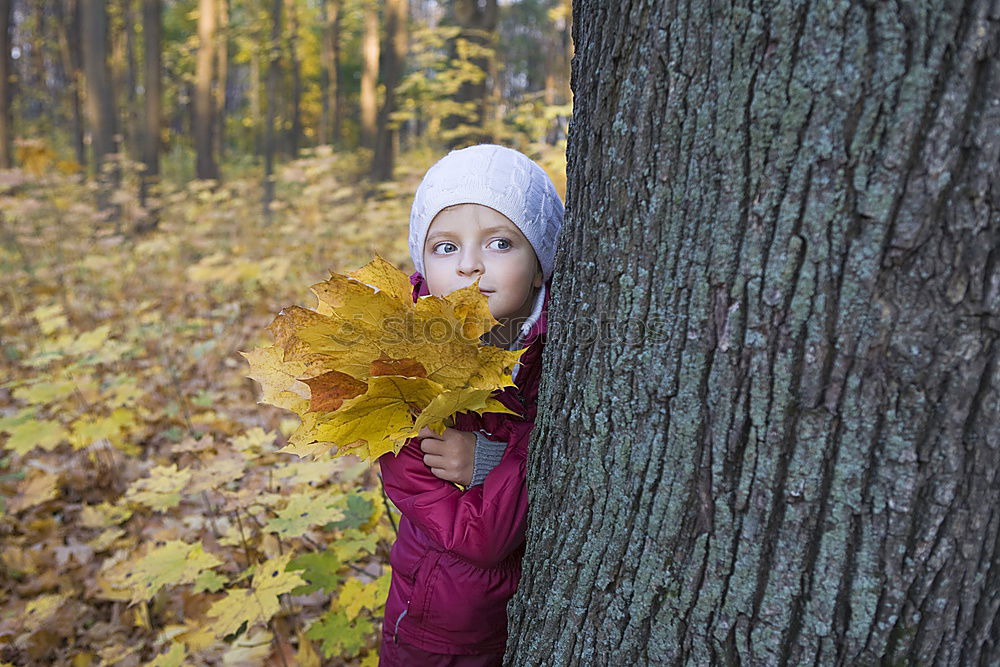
(303, 511)
(306, 655)
(89, 341)
(45, 392)
(174, 563)
(258, 603)
(356, 595)
(36, 433)
(162, 489)
(249, 649)
(172, 658)
(40, 609)
(35, 489)
(103, 515)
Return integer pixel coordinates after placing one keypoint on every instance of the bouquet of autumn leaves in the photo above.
(369, 368)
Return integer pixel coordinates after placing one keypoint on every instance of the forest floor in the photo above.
(148, 517)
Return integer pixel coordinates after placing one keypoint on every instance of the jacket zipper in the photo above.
(395, 631)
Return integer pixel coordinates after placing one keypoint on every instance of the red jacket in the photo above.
(457, 559)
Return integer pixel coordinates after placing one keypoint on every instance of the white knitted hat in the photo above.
(503, 179)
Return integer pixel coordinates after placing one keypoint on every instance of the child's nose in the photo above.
(471, 264)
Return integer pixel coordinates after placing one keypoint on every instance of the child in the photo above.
(485, 212)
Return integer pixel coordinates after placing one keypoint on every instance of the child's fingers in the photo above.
(434, 461)
(429, 446)
(426, 432)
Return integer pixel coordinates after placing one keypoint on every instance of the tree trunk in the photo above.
(479, 23)
(204, 99)
(100, 97)
(369, 74)
(392, 72)
(798, 462)
(6, 129)
(255, 113)
(131, 114)
(273, 75)
(222, 79)
(330, 120)
(69, 48)
(295, 134)
(152, 29)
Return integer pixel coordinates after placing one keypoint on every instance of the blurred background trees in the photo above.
(213, 88)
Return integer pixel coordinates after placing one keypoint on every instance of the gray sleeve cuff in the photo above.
(486, 457)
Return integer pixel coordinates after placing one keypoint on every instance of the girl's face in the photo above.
(469, 241)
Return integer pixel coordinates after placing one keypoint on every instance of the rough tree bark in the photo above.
(204, 99)
(799, 464)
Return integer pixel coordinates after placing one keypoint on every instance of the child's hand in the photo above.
(449, 455)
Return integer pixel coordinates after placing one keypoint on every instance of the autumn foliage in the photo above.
(369, 368)
(149, 514)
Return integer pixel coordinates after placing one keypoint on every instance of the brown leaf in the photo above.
(331, 389)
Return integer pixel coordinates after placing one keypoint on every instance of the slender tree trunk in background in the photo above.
(295, 134)
(369, 74)
(255, 114)
(222, 80)
(800, 464)
(273, 75)
(152, 31)
(132, 132)
(37, 80)
(330, 119)
(100, 97)
(6, 125)
(566, 37)
(69, 48)
(396, 35)
(204, 98)
(43, 53)
(479, 25)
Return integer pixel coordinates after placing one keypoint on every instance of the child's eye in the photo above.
(505, 244)
(441, 248)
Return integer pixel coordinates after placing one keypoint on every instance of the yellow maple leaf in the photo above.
(303, 511)
(356, 595)
(103, 515)
(377, 366)
(173, 563)
(258, 603)
(162, 489)
(172, 658)
(37, 488)
(382, 275)
(35, 433)
(379, 415)
(45, 392)
(41, 609)
(277, 378)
